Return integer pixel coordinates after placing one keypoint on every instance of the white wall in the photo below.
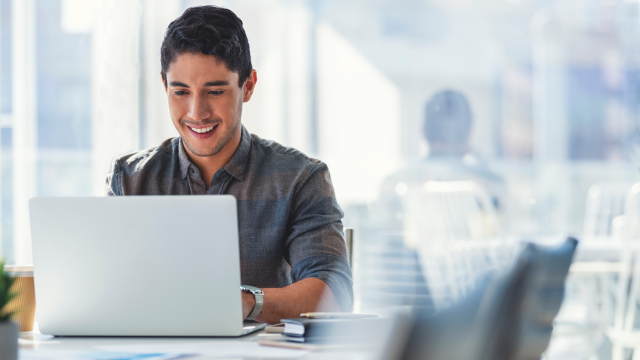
(156, 125)
(279, 36)
(359, 119)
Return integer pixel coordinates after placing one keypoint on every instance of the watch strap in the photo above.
(257, 308)
(258, 294)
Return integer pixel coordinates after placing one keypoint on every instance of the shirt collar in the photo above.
(185, 162)
(236, 166)
(238, 163)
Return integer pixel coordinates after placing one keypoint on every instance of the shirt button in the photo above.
(191, 170)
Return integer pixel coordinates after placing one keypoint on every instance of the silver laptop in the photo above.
(137, 266)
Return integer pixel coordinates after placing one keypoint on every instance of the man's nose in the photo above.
(199, 109)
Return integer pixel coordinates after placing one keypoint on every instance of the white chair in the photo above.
(588, 308)
(624, 333)
(605, 201)
(444, 235)
(603, 223)
(454, 228)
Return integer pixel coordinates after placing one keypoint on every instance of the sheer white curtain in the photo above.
(24, 123)
(115, 84)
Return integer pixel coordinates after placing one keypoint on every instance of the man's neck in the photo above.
(209, 165)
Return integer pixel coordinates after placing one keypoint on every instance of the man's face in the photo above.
(205, 101)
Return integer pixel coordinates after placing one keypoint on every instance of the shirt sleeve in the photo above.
(111, 182)
(315, 246)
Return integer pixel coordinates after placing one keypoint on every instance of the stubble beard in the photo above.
(221, 144)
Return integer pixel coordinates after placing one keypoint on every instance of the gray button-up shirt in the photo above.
(289, 220)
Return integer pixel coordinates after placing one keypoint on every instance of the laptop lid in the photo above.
(137, 266)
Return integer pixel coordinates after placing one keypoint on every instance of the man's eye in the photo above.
(179, 93)
(216, 92)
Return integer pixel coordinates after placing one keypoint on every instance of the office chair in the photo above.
(519, 322)
(507, 317)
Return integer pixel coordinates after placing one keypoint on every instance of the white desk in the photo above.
(44, 343)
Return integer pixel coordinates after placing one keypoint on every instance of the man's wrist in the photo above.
(258, 300)
(253, 301)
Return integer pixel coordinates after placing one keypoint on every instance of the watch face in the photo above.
(252, 289)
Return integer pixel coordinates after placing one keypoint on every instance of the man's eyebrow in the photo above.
(217, 83)
(178, 83)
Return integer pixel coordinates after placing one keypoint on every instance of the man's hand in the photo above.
(307, 295)
(248, 302)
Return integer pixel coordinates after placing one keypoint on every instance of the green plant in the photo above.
(5, 295)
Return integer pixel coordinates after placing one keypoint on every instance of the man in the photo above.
(290, 227)
(447, 127)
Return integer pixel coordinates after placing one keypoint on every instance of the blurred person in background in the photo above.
(289, 222)
(447, 129)
(405, 224)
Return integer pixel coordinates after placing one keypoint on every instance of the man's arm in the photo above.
(306, 295)
(316, 250)
(110, 182)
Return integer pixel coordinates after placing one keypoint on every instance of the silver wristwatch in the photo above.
(257, 292)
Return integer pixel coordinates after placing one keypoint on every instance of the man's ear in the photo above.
(249, 86)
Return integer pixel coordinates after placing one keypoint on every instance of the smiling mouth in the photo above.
(203, 130)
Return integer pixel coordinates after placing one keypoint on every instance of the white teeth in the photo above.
(203, 130)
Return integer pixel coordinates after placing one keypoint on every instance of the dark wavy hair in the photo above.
(210, 30)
